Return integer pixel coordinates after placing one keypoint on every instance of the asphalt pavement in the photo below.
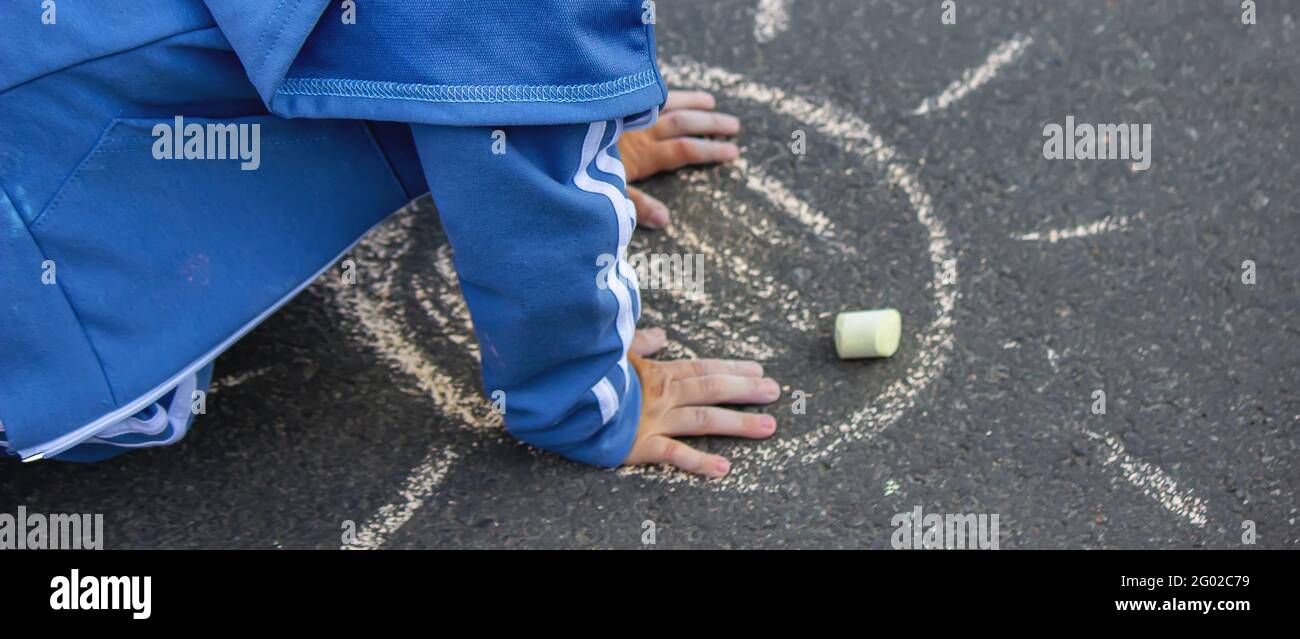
(1025, 284)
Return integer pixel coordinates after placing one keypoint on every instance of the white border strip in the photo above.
(625, 219)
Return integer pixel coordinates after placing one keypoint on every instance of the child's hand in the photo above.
(677, 400)
(678, 397)
(677, 139)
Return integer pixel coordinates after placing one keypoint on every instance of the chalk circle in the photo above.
(754, 464)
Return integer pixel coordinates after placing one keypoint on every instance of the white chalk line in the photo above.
(934, 341)
(417, 489)
(971, 79)
(771, 20)
(732, 316)
(384, 324)
(1153, 481)
(815, 221)
(1107, 224)
(233, 380)
(457, 327)
(720, 320)
(1150, 479)
(369, 304)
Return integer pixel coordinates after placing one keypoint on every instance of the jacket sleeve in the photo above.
(539, 225)
(448, 62)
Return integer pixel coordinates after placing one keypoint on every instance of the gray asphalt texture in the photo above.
(1201, 371)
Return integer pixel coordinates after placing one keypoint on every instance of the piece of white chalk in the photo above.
(867, 333)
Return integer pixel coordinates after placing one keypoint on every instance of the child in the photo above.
(172, 172)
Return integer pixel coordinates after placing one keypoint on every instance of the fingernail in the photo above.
(655, 219)
(770, 389)
(768, 422)
(723, 467)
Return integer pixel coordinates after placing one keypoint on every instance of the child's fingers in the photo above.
(646, 342)
(678, 152)
(650, 212)
(705, 390)
(698, 123)
(695, 421)
(689, 100)
(684, 368)
(659, 449)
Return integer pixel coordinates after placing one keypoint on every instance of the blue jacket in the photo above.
(123, 275)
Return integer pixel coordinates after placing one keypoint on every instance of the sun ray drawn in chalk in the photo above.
(974, 78)
(771, 20)
(1106, 224)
